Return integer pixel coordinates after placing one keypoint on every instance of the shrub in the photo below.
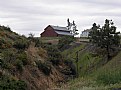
(54, 55)
(109, 78)
(42, 52)
(21, 44)
(10, 58)
(65, 41)
(6, 83)
(71, 66)
(6, 65)
(7, 58)
(44, 67)
(7, 29)
(9, 55)
(19, 65)
(23, 57)
(38, 42)
(5, 43)
(2, 41)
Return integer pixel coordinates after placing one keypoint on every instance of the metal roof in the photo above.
(64, 33)
(87, 30)
(59, 28)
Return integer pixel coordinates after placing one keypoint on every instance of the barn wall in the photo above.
(49, 32)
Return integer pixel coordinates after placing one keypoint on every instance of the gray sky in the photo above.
(25, 16)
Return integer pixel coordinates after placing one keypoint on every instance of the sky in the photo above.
(32, 16)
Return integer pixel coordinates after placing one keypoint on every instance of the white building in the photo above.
(85, 33)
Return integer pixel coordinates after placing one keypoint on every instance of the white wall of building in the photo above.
(84, 34)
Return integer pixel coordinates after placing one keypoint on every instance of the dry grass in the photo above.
(52, 40)
(42, 53)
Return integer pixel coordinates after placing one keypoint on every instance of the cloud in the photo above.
(25, 16)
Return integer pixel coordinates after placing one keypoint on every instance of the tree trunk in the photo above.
(108, 54)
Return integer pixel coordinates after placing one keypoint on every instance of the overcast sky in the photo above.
(25, 16)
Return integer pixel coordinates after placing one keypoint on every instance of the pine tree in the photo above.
(72, 27)
(105, 37)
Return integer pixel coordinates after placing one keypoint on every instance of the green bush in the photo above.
(44, 67)
(23, 57)
(65, 41)
(6, 65)
(6, 83)
(2, 41)
(109, 78)
(5, 28)
(8, 57)
(21, 44)
(38, 42)
(54, 55)
(19, 65)
(5, 43)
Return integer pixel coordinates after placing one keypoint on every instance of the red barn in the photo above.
(55, 31)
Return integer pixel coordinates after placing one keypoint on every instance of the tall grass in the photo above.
(109, 77)
(94, 73)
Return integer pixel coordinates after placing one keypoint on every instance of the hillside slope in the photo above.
(24, 66)
(94, 72)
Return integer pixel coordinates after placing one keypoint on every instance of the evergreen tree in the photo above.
(105, 37)
(72, 27)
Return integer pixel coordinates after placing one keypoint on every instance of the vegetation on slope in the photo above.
(99, 68)
(106, 77)
(11, 58)
(25, 65)
(10, 83)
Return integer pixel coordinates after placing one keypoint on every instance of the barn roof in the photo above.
(64, 33)
(59, 28)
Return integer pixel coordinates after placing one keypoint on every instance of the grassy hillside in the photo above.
(25, 65)
(7, 37)
(94, 74)
(51, 40)
(86, 59)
